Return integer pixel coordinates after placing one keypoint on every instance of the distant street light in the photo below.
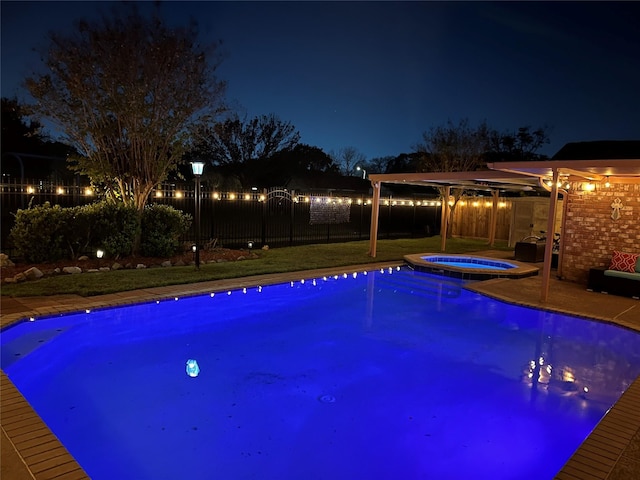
(364, 172)
(197, 168)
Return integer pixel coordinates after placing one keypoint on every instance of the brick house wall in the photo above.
(590, 234)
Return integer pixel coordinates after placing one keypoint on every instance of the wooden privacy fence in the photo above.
(277, 216)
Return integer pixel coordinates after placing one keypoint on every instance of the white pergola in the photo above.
(510, 176)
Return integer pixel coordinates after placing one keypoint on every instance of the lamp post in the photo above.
(197, 168)
(364, 172)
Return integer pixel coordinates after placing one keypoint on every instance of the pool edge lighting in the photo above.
(193, 370)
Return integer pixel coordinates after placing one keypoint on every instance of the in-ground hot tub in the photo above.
(469, 267)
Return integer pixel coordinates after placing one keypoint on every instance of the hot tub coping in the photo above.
(519, 270)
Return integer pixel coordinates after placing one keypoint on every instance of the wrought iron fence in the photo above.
(275, 217)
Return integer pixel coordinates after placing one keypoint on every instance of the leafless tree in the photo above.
(348, 158)
(453, 148)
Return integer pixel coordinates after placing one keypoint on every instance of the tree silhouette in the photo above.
(241, 149)
(522, 145)
(124, 90)
(453, 148)
(348, 158)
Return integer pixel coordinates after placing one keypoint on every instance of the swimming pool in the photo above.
(469, 267)
(388, 375)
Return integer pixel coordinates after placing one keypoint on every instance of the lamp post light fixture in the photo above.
(364, 172)
(197, 168)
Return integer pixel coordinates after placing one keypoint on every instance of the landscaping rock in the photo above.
(10, 280)
(92, 270)
(104, 269)
(166, 263)
(72, 270)
(83, 258)
(21, 277)
(141, 265)
(33, 273)
(5, 261)
(56, 270)
(116, 266)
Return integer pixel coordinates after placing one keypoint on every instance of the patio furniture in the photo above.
(621, 277)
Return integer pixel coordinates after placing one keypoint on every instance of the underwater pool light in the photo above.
(192, 368)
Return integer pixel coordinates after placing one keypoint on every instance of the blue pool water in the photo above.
(398, 374)
(470, 262)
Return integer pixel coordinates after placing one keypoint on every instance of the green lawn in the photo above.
(278, 260)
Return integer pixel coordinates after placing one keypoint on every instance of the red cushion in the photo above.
(624, 262)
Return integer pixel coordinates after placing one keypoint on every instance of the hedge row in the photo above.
(48, 233)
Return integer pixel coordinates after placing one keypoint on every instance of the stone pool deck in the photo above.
(612, 452)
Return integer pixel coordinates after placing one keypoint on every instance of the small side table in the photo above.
(596, 279)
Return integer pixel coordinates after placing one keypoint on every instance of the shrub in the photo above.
(105, 225)
(115, 227)
(38, 232)
(45, 233)
(49, 233)
(162, 226)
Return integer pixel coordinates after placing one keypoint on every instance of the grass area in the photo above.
(278, 260)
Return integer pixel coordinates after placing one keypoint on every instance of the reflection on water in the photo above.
(389, 374)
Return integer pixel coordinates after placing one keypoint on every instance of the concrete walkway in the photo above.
(611, 452)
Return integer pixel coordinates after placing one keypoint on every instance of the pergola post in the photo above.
(494, 217)
(548, 247)
(444, 221)
(375, 212)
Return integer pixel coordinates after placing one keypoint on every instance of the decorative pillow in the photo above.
(624, 262)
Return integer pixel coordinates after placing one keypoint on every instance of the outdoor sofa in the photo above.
(621, 277)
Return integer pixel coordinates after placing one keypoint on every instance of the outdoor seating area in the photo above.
(620, 277)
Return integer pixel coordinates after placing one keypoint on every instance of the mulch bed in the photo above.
(216, 254)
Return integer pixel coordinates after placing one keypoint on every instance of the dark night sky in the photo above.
(375, 75)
